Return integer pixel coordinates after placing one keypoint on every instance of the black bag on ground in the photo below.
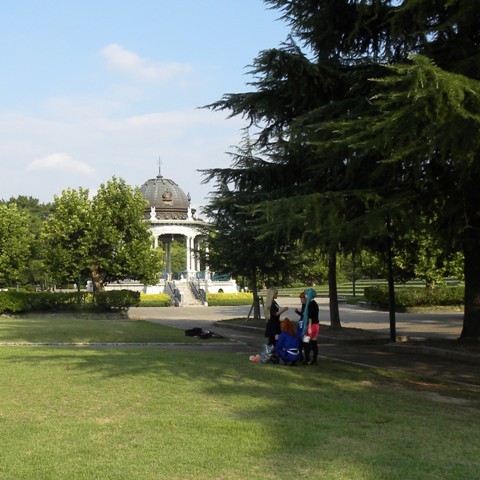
(193, 332)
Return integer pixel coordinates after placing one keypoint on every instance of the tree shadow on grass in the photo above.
(315, 421)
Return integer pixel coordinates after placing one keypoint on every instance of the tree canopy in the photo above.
(368, 115)
(105, 239)
(15, 244)
(235, 240)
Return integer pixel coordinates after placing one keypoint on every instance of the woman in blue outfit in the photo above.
(288, 344)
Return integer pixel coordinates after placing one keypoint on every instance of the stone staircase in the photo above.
(188, 298)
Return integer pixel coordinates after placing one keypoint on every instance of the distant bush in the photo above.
(13, 302)
(229, 299)
(19, 302)
(409, 297)
(22, 301)
(117, 300)
(155, 300)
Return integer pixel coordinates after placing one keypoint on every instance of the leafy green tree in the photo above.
(34, 211)
(315, 95)
(292, 82)
(67, 236)
(122, 243)
(236, 240)
(178, 255)
(421, 254)
(312, 267)
(15, 244)
(34, 214)
(428, 123)
(105, 239)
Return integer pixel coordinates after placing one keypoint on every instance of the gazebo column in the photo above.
(167, 244)
(207, 268)
(196, 258)
(190, 254)
(188, 263)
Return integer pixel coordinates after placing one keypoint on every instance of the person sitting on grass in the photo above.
(288, 345)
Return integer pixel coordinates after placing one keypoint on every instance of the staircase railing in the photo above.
(198, 292)
(174, 293)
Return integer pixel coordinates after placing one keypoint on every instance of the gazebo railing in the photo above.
(174, 293)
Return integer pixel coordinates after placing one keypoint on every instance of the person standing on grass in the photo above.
(300, 325)
(311, 326)
(272, 314)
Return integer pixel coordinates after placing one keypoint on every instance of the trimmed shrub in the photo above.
(47, 301)
(17, 302)
(229, 299)
(117, 300)
(155, 300)
(408, 297)
(13, 302)
(20, 302)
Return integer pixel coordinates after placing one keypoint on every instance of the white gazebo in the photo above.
(171, 217)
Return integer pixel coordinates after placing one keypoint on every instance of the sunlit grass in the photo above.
(63, 329)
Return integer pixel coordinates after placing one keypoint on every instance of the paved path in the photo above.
(442, 324)
(249, 339)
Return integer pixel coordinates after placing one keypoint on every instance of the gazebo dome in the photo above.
(167, 198)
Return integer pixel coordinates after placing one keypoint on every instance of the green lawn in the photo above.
(66, 329)
(153, 413)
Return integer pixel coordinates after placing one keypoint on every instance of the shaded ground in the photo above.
(435, 359)
(357, 335)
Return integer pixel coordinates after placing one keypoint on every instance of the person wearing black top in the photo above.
(272, 314)
(312, 328)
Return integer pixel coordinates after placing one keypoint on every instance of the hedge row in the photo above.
(229, 299)
(213, 299)
(117, 300)
(408, 297)
(155, 300)
(19, 302)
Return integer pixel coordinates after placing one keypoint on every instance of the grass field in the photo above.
(60, 329)
(152, 413)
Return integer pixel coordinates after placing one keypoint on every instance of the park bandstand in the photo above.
(172, 218)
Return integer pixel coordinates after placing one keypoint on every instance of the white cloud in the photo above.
(123, 61)
(61, 162)
(127, 146)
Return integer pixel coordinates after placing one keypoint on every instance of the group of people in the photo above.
(288, 344)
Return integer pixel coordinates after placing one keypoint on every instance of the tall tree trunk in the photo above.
(256, 300)
(332, 288)
(391, 292)
(97, 281)
(471, 318)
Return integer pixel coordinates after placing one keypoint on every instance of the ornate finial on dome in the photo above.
(159, 168)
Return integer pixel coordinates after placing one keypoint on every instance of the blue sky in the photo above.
(95, 89)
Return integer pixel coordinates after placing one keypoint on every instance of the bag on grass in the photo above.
(193, 332)
(206, 334)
